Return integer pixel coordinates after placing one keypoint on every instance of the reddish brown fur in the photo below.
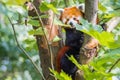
(67, 14)
(59, 56)
(70, 12)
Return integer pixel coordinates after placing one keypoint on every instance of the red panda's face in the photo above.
(71, 16)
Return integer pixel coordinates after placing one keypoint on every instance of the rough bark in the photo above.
(44, 54)
(89, 48)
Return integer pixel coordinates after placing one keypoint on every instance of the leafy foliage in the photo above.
(14, 65)
(38, 31)
(46, 6)
(61, 76)
(104, 38)
(97, 69)
(109, 51)
(14, 2)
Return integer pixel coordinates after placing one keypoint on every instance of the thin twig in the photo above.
(48, 45)
(19, 46)
(114, 65)
(42, 25)
(51, 53)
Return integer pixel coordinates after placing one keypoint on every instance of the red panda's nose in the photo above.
(71, 23)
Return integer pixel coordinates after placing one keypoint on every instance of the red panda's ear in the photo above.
(60, 14)
(81, 7)
(60, 10)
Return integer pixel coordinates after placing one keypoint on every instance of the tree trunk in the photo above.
(47, 57)
(89, 48)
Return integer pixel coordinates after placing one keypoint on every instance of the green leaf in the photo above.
(104, 38)
(46, 6)
(88, 26)
(71, 58)
(113, 51)
(65, 76)
(15, 2)
(110, 15)
(56, 39)
(38, 31)
(101, 7)
(43, 7)
(56, 74)
(104, 62)
(58, 22)
(99, 65)
(115, 13)
(61, 76)
(34, 22)
(30, 43)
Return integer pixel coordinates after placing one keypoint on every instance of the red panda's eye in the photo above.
(74, 18)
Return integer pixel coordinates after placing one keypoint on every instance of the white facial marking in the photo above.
(79, 17)
(68, 17)
(74, 22)
(64, 20)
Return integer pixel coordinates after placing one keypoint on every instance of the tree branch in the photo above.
(114, 65)
(47, 52)
(112, 23)
(89, 48)
(23, 49)
(48, 45)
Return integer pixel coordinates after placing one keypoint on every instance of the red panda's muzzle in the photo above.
(72, 21)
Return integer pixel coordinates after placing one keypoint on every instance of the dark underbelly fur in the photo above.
(74, 39)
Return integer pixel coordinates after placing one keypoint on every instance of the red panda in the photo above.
(71, 15)
(73, 42)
